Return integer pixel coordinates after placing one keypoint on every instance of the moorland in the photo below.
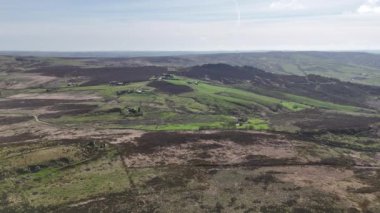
(248, 132)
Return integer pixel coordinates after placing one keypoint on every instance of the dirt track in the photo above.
(38, 120)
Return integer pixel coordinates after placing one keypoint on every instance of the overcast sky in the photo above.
(192, 25)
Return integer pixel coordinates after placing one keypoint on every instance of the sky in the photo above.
(189, 25)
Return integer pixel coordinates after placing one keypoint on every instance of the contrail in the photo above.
(237, 8)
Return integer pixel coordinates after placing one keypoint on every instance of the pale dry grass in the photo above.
(42, 155)
(24, 81)
(337, 181)
(79, 96)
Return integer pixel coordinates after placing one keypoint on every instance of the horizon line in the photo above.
(156, 51)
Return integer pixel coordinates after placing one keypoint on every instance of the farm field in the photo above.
(97, 134)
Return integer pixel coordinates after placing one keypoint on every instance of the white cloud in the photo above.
(326, 33)
(287, 5)
(287, 25)
(371, 7)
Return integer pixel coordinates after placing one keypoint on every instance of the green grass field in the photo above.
(208, 106)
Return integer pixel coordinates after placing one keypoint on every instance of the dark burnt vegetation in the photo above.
(149, 142)
(176, 177)
(221, 72)
(265, 179)
(261, 160)
(341, 161)
(369, 145)
(68, 109)
(104, 75)
(314, 86)
(339, 124)
(25, 208)
(169, 88)
(315, 120)
(334, 129)
(19, 138)
(14, 120)
(72, 106)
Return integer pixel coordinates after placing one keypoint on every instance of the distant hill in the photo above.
(101, 54)
(358, 67)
